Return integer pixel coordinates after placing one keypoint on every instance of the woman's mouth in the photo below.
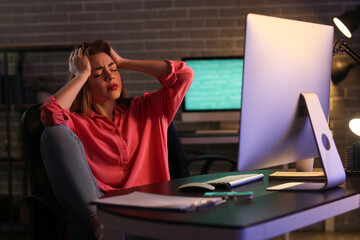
(112, 87)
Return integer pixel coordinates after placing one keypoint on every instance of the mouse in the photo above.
(196, 186)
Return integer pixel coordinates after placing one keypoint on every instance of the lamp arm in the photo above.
(343, 47)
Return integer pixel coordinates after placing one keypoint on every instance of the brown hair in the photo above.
(83, 101)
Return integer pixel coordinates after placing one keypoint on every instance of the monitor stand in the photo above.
(334, 172)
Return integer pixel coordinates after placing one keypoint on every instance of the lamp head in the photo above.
(340, 69)
(348, 21)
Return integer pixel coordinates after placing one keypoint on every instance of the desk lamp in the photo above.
(348, 21)
(347, 24)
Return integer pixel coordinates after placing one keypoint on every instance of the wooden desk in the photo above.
(270, 214)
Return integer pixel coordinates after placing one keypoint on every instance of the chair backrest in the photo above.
(32, 128)
(178, 166)
(47, 217)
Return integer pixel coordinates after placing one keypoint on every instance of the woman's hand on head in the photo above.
(118, 60)
(79, 63)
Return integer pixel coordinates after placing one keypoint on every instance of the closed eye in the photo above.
(112, 66)
(99, 70)
(98, 73)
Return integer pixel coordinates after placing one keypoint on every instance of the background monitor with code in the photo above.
(217, 85)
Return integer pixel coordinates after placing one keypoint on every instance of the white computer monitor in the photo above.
(215, 94)
(282, 59)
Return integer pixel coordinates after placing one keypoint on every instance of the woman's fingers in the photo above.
(76, 55)
(86, 52)
(80, 50)
(116, 57)
(71, 55)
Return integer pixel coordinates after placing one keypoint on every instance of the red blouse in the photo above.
(132, 150)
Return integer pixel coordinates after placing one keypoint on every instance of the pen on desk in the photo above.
(203, 204)
(230, 195)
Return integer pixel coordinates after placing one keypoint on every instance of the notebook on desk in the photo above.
(159, 201)
(292, 174)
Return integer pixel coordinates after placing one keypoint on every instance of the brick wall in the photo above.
(161, 29)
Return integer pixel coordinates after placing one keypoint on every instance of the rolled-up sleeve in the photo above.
(52, 114)
(175, 85)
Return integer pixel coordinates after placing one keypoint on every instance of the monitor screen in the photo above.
(282, 59)
(217, 85)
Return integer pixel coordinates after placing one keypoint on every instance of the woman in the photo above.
(96, 139)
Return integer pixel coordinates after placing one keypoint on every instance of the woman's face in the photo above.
(104, 81)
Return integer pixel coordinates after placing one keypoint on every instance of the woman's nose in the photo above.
(108, 75)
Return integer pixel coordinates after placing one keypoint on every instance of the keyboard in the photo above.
(235, 180)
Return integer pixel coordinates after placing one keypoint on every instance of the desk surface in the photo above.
(268, 215)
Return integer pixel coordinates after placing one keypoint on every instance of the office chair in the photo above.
(48, 219)
(203, 163)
